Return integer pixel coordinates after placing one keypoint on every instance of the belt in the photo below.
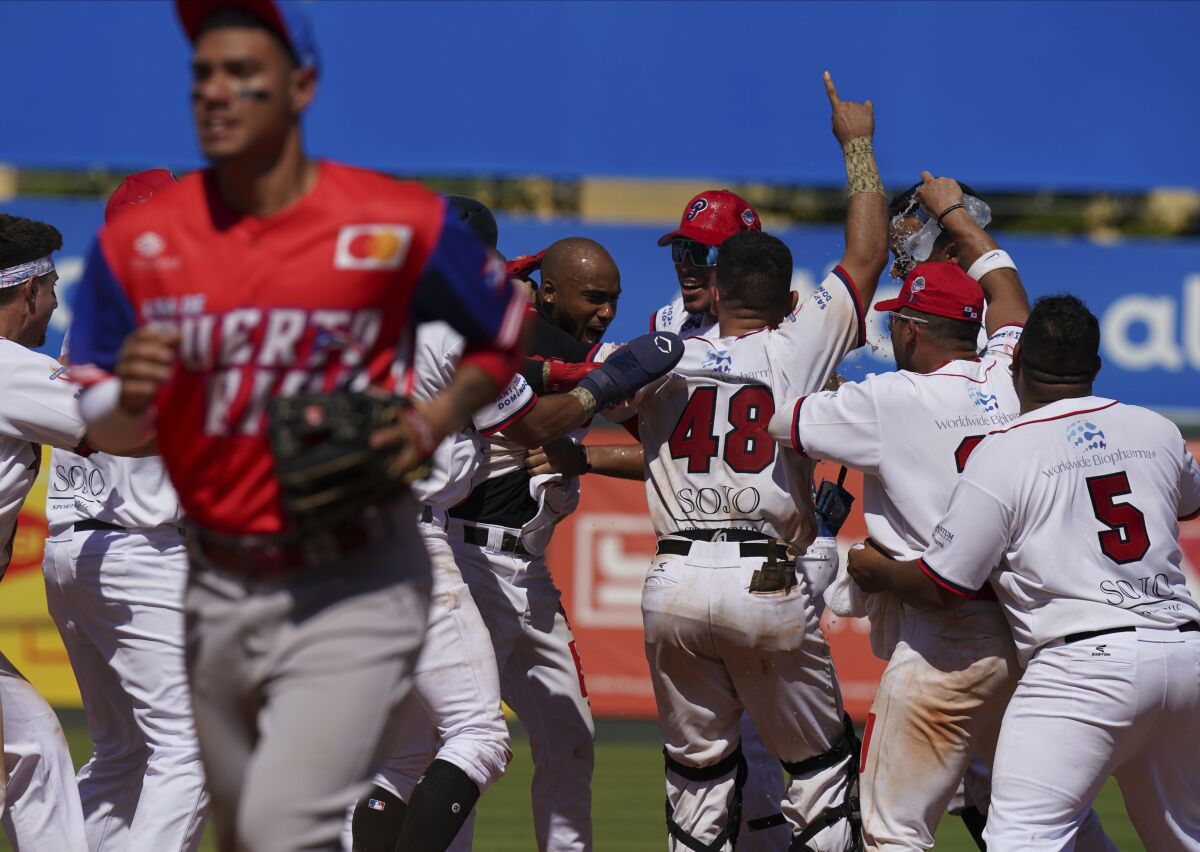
(92, 525)
(750, 544)
(272, 557)
(479, 536)
(1188, 627)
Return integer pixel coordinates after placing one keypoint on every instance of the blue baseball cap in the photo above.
(282, 17)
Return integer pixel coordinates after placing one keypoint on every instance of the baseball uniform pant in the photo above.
(1123, 704)
(458, 717)
(117, 598)
(716, 649)
(298, 687)
(941, 697)
(41, 800)
(541, 679)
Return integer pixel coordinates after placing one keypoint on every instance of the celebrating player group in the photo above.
(311, 436)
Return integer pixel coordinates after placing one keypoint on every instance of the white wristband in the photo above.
(989, 262)
(100, 408)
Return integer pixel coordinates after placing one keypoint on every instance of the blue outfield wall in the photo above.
(1146, 293)
(1069, 95)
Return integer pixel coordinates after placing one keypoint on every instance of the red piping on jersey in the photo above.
(748, 333)
(654, 319)
(858, 305)
(796, 427)
(866, 743)
(1055, 417)
(512, 418)
(953, 588)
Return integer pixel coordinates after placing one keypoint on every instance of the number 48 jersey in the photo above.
(711, 463)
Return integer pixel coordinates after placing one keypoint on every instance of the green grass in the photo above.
(627, 797)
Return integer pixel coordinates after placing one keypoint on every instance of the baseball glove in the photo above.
(327, 472)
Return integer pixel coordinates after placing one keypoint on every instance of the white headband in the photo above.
(22, 272)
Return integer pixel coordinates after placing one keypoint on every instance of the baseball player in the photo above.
(268, 275)
(949, 677)
(730, 626)
(1072, 513)
(38, 797)
(116, 571)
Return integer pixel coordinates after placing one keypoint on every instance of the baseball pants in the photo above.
(716, 649)
(941, 698)
(458, 717)
(41, 800)
(1123, 704)
(298, 687)
(117, 598)
(541, 679)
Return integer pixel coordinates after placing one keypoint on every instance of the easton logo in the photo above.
(697, 205)
(1083, 434)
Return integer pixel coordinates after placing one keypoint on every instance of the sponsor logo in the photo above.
(662, 344)
(942, 537)
(371, 246)
(1101, 651)
(1085, 435)
(1099, 460)
(697, 205)
(968, 421)
(149, 244)
(612, 550)
(717, 360)
(986, 401)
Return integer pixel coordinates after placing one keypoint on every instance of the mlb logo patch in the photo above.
(376, 804)
(372, 246)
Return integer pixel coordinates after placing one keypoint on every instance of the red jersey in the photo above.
(316, 297)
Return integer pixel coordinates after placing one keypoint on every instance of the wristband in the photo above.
(586, 399)
(989, 262)
(862, 175)
(949, 210)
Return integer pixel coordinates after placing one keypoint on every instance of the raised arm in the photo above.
(866, 211)
(978, 253)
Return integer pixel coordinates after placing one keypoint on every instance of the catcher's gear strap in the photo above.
(848, 745)
(710, 773)
(763, 823)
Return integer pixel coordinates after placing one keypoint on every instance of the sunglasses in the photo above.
(898, 315)
(694, 253)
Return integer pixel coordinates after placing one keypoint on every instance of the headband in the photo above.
(22, 272)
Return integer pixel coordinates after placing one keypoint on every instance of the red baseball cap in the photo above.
(940, 288)
(714, 216)
(282, 17)
(136, 189)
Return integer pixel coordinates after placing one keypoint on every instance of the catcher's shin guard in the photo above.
(848, 745)
(731, 763)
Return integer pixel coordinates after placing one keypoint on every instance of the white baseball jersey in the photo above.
(437, 349)
(125, 492)
(711, 460)
(909, 433)
(1081, 500)
(37, 406)
(675, 318)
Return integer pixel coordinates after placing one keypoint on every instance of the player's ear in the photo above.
(302, 88)
(30, 294)
(794, 300)
(547, 290)
(1096, 369)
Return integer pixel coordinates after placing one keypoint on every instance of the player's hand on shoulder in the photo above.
(938, 194)
(145, 363)
(562, 456)
(866, 565)
(850, 118)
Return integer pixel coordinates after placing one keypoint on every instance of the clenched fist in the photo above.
(144, 365)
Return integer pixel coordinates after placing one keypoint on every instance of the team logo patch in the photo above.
(697, 205)
(986, 401)
(371, 246)
(917, 286)
(1086, 435)
(748, 218)
(717, 360)
(149, 244)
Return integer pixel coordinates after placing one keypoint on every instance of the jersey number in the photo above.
(748, 447)
(1126, 539)
(963, 451)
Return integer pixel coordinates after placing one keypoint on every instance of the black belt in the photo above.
(750, 544)
(1189, 627)
(92, 525)
(509, 543)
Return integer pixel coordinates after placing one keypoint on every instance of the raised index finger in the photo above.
(831, 90)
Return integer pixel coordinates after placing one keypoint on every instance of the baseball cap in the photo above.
(476, 216)
(282, 17)
(714, 216)
(940, 288)
(136, 189)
